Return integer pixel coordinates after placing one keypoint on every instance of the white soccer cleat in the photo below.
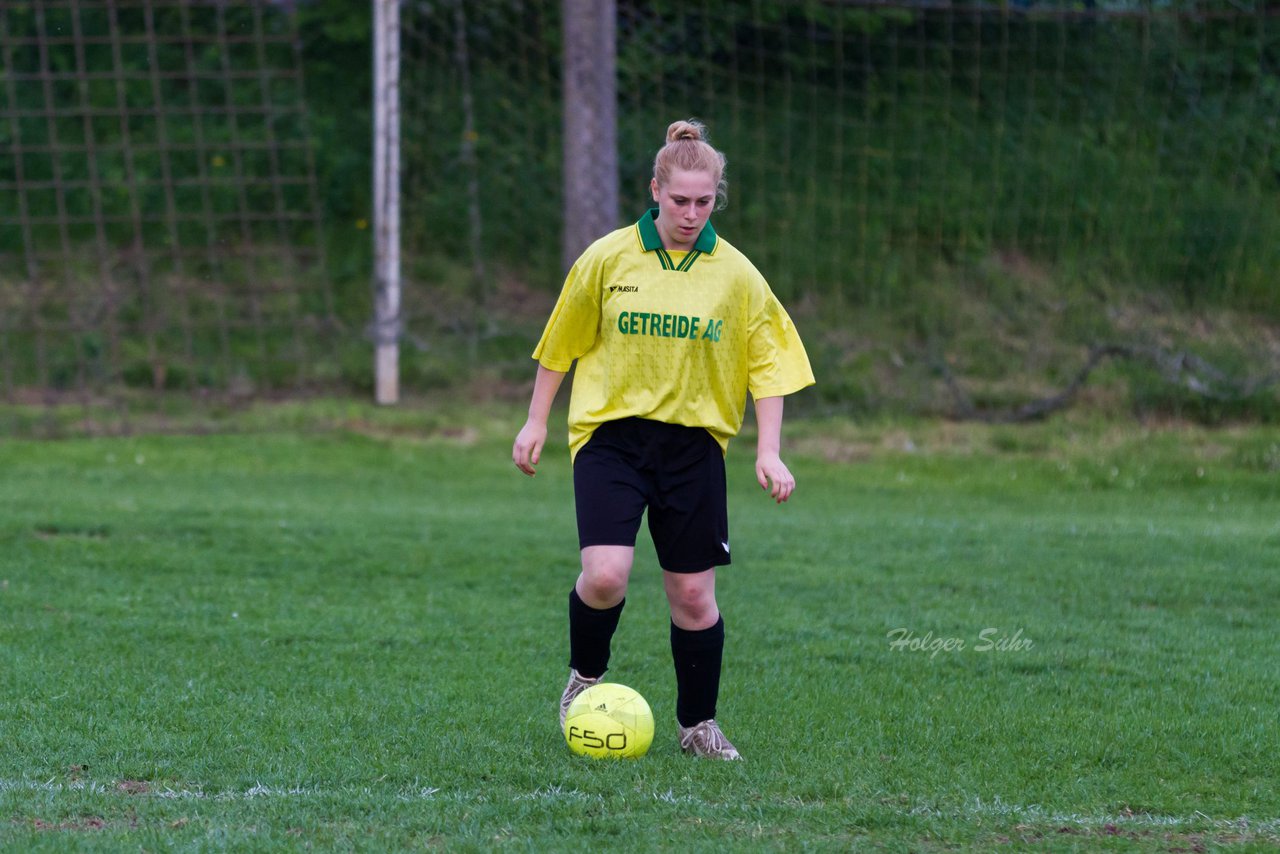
(706, 739)
(577, 684)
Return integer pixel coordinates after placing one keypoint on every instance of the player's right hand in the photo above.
(527, 449)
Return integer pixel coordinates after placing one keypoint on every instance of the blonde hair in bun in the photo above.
(687, 150)
(690, 129)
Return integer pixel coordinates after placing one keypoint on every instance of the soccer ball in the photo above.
(609, 719)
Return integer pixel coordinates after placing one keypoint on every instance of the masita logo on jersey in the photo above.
(624, 289)
(670, 325)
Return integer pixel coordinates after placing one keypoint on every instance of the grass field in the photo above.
(354, 639)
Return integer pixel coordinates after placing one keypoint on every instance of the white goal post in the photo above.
(386, 200)
(589, 154)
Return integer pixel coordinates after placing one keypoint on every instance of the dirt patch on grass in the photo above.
(55, 531)
(79, 825)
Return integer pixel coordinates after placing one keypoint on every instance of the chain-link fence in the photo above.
(159, 220)
(160, 217)
(869, 140)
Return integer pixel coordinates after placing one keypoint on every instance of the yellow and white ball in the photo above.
(609, 720)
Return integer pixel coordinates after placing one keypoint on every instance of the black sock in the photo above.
(697, 656)
(590, 631)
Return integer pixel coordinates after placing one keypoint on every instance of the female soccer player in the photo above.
(671, 326)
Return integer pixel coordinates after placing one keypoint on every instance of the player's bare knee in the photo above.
(605, 573)
(693, 606)
(602, 589)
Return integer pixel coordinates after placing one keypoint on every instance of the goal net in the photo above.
(159, 221)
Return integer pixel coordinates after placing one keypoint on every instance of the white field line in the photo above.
(559, 793)
(253, 792)
(977, 809)
(1038, 815)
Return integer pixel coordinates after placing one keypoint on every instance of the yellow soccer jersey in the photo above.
(672, 336)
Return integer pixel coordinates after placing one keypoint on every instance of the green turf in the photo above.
(356, 642)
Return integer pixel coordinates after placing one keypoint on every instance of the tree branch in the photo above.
(1178, 368)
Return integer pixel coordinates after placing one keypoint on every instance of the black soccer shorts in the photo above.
(677, 472)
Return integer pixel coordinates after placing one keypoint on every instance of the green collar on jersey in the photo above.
(650, 239)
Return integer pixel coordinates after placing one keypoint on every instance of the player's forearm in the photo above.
(545, 386)
(769, 425)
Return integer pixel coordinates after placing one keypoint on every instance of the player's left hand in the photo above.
(774, 477)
